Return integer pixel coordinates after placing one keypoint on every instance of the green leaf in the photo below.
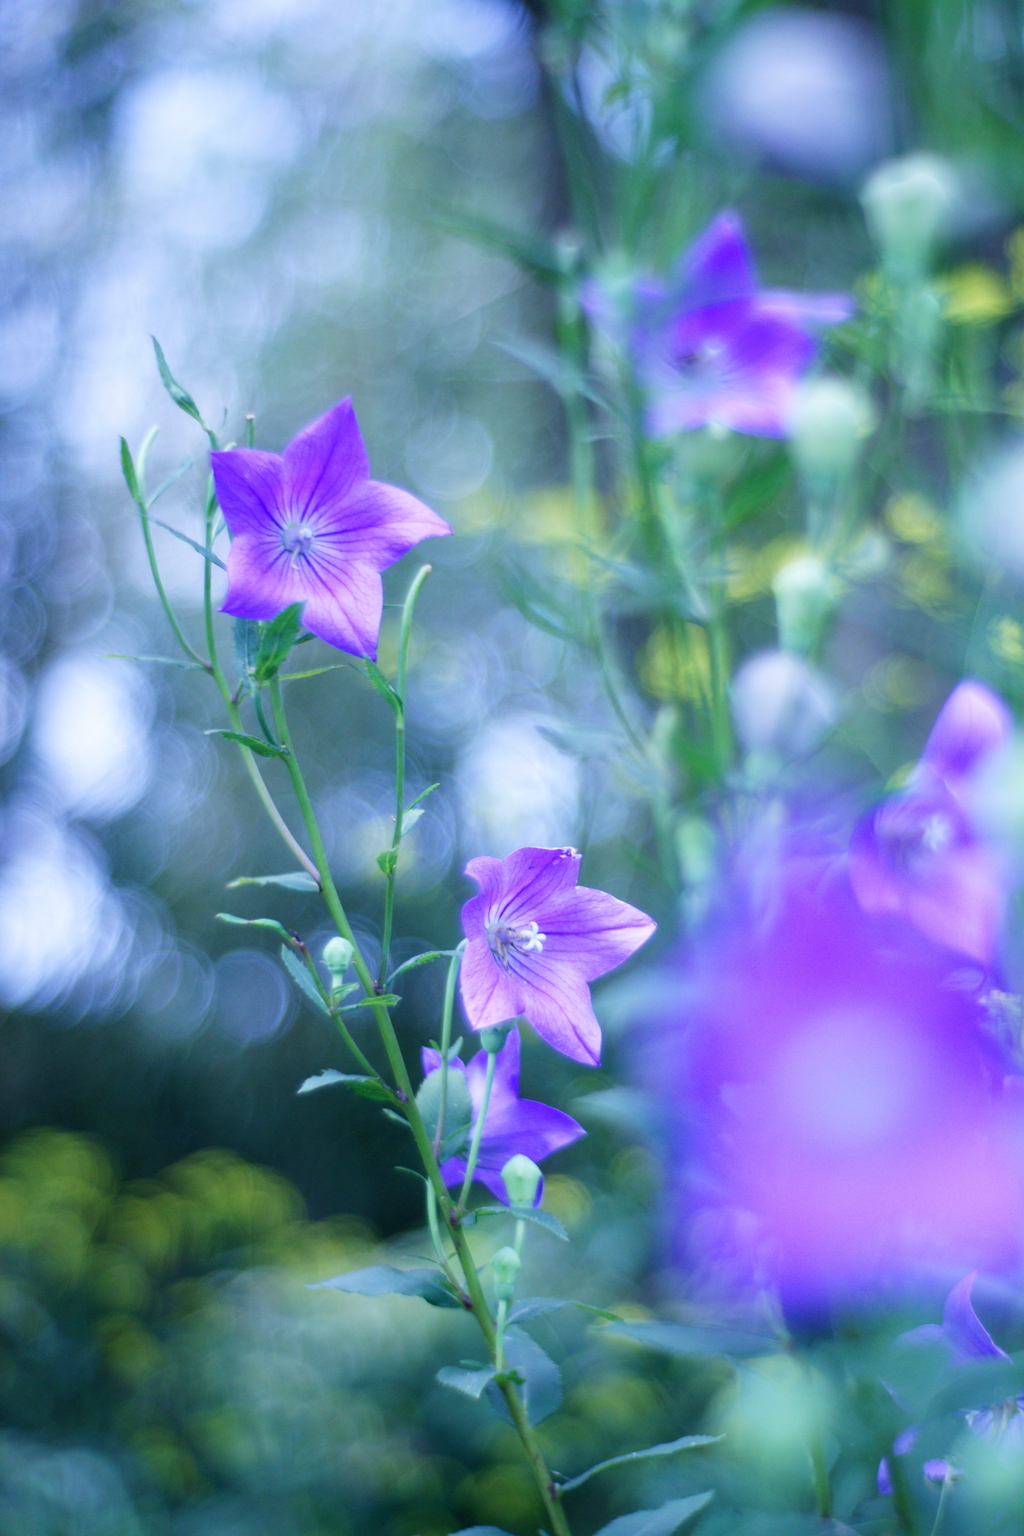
(417, 960)
(256, 922)
(128, 470)
(303, 980)
(387, 861)
(657, 1522)
(294, 880)
(410, 818)
(382, 685)
(541, 1388)
(172, 479)
(366, 1087)
(295, 677)
(458, 1110)
(245, 638)
(668, 1448)
(254, 743)
(276, 641)
(422, 796)
(200, 549)
(385, 1280)
(531, 252)
(681, 1339)
(166, 661)
(527, 1213)
(554, 369)
(536, 1306)
(181, 397)
(389, 999)
(470, 1382)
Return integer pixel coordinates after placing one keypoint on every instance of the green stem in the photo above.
(499, 1334)
(405, 634)
(819, 1475)
(446, 1039)
(478, 1129)
(721, 718)
(162, 594)
(947, 1483)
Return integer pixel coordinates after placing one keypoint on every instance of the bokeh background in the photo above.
(304, 199)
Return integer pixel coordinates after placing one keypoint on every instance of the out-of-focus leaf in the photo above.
(470, 1382)
(296, 677)
(245, 637)
(657, 1522)
(563, 620)
(255, 922)
(385, 1280)
(527, 1213)
(541, 1390)
(668, 1448)
(165, 661)
(536, 1306)
(531, 252)
(624, 1109)
(294, 880)
(458, 1110)
(276, 641)
(972, 1386)
(366, 1087)
(254, 743)
(302, 978)
(165, 485)
(554, 369)
(207, 554)
(181, 397)
(681, 1339)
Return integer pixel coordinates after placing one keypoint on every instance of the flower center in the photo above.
(526, 940)
(297, 539)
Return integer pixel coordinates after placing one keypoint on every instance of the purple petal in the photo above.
(963, 1330)
(260, 584)
(809, 308)
(489, 993)
(536, 1130)
(937, 1471)
(327, 460)
(516, 888)
(344, 603)
(379, 523)
(556, 1001)
(250, 486)
(592, 931)
(718, 267)
(883, 1480)
(431, 1060)
(973, 722)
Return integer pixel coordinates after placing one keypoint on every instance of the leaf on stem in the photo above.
(467, 1380)
(389, 999)
(172, 479)
(385, 1280)
(657, 1522)
(526, 1213)
(295, 677)
(200, 549)
(256, 922)
(410, 818)
(245, 636)
(541, 1389)
(366, 1087)
(166, 661)
(276, 640)
(300, 974)
(181, 397)
(536, 1306)
(254, 743)
(410, 965)
(128, 470)
(421, 796)
(458, 1110)
(668, 1448)
(382, 685)
(681, 1339)
(294, 880)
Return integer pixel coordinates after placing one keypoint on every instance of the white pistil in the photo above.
(297, 539)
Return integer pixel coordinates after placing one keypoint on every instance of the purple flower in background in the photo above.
(919, 854)
(512, 1125)
(535, 939)
(313, 528)
(844, 1120)
(712, 348)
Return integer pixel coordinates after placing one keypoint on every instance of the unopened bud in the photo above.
(829, 420)
(494, 1036)
(505, 1267)
(781, 706)
(522, 1179)
(806, 591)
(908, 204)
(337, 956)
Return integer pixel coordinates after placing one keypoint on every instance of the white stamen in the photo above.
(527, 939)
(297, 539)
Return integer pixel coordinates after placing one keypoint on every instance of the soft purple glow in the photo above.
(535, 939)
(512, 1125)
(919, 854)
(313, 528)
(712, 348)
(846, 1124)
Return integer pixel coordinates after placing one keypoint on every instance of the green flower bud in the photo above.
(505, 1267)
(521, 1179)
(908, 204)
(829, 420)
(493, 1039)
(337, 956)
(806, 591)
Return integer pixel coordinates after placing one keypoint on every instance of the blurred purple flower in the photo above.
(535, 939)
(512, 1125)
(313, 528)
(919, 854)
(844, 1118)
(712, 348)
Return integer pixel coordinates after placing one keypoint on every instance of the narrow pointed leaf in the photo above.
(536, 1306)
(366, 1087)
(422, 796)
(200, 549)
(410, 818)
(687, 1443)
(128, 470)
(681, 1339)
(527, 1213)
(294, 880)
(302, 978)
(254, 743)
(172, 479)
(389, 999)
(181, 397)
(245, 636)
(382, 685)
(417, 960)
(295, 677)
(255, 922)
(657, 1522)
(164, 661)
(385, 1280)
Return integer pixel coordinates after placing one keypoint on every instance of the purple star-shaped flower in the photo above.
(312, 527)
(919, 854)
(712, 348)
(513, 1124)
(535, 939)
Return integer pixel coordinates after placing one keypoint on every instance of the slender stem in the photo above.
(721, 720)
(404, 636)
(478, 1129)
(446, 1039)
(499, 1334)
(947, 1483)
(162, 594)
(474, 1290)
(819, 1474)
